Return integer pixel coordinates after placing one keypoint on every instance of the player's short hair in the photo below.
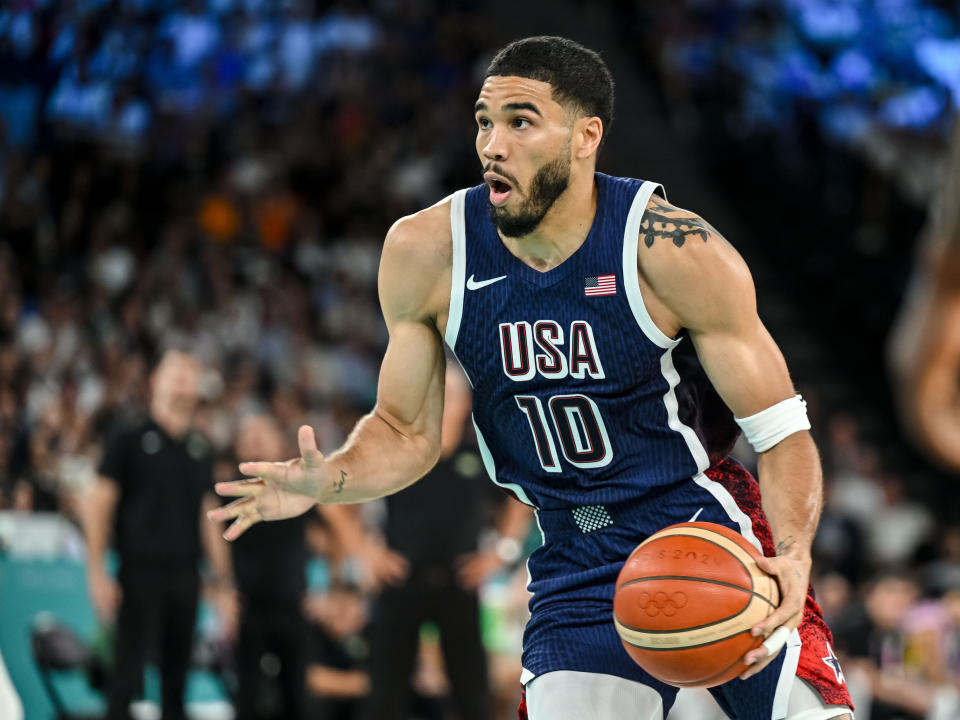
(579, 76)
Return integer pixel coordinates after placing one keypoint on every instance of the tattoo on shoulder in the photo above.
(663, 221)
(784, 545)
(338, 484)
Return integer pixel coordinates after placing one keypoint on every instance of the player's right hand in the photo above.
(792, 572)
(105, 594)
(277, 490)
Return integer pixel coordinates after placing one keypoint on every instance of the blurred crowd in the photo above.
(218, 176)
(847, 105)
(877, 77)
(825, 125)
(246, 227)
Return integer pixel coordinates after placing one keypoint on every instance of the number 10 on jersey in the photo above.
(576, 422)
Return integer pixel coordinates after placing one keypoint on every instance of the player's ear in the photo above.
(588, 134)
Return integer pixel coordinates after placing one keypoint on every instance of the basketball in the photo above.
(685, 601)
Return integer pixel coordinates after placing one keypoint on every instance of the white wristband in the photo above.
(770, 426)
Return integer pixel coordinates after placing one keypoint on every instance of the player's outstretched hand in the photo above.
(277, 490)
(793, 576)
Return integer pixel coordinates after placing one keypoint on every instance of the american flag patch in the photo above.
(600, 285)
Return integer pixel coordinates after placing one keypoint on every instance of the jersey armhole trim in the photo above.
(459, 265)
(631, 279)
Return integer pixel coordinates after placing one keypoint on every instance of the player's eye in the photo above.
(520, 123)
(484, 124)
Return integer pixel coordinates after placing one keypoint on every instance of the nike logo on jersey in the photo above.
(477, 284)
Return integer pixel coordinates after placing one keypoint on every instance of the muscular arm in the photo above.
(749, 372)
(399, 440)
(699, 282)
(397, 443)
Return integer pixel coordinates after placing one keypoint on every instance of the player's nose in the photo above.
(496, 147)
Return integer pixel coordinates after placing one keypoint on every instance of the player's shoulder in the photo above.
(416, 263)
(424, 236)
(677, 244)
(689, 266)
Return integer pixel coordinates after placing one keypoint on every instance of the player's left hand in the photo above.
(793, 575)
(259, 500)
(278, 490)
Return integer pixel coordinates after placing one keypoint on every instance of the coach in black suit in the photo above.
(155, 481)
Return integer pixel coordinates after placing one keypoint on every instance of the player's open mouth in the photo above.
(499, 191)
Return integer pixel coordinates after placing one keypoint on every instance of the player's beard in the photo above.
(547, 185)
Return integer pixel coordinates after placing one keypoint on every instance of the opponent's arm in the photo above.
(924, 345)
(396, 443)
(399, 441)
(701, 283)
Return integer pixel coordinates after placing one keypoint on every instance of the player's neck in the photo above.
(562, 230)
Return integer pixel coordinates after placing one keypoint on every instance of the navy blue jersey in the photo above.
(579, 399)
(609, 428)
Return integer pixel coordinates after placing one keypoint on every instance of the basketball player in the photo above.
(924, 345)
(600, 327)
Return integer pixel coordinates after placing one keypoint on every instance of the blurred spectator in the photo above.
(898, 528)
(943, 573)
(834, 595)
(873, 647)
(336, 675)
(269, 566)
(434, 526)
(153, 482)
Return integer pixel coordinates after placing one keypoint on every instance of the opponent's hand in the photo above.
(278, 490)
(793, 575)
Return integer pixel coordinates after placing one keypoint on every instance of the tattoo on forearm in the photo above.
(784, 545)
(338, 484)
(674, 224)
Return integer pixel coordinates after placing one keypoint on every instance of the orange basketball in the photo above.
(686, 600)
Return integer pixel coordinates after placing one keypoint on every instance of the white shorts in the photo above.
(569, 695)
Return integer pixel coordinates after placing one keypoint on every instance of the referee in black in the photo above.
(154, 484)
(434, 525)
(269, 563)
